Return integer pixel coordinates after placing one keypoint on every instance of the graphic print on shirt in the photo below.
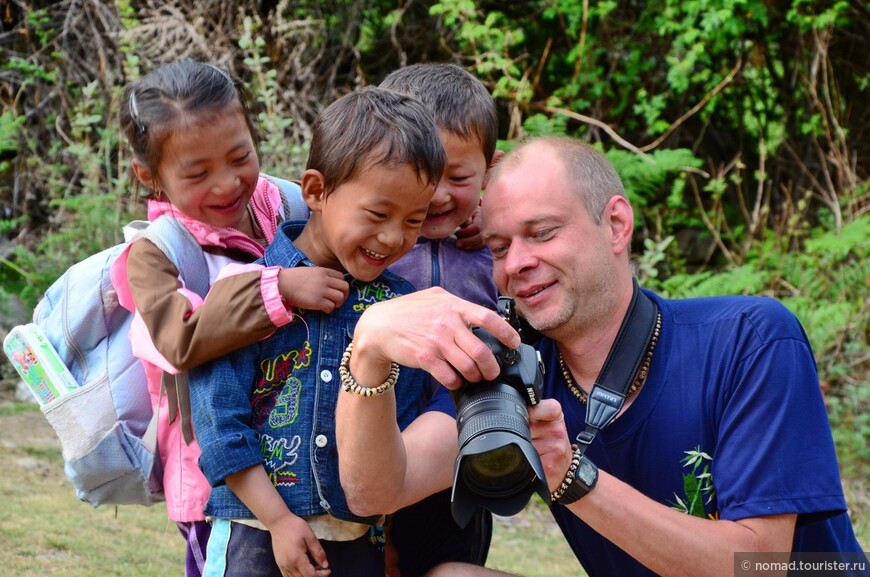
(286, 407)
(371, 293)
(277, 386)
(697, 485)
(279, 454)
(275, 404)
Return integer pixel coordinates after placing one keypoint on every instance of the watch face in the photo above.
(584, 481)
(587, 472)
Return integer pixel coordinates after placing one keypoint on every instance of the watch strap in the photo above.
(580, 479)
(584, 481)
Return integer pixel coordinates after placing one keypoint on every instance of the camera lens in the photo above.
(501, 471)
(497, 467)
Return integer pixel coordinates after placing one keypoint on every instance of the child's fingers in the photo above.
(317, 554)
(332, 299)
(342, 286)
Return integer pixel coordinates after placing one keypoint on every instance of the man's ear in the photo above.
(496, 158)
(619, 216)
(313, 189)
(144, 175)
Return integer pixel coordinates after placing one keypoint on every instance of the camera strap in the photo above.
(621, 367)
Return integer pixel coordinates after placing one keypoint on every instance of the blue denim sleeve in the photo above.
(220, 395)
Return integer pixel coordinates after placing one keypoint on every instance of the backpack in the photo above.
(104, 420)
(105, 424)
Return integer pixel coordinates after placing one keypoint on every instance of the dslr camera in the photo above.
(498, 468)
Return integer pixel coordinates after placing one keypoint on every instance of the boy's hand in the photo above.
(295, 547)
(468, 235)
(313, 288)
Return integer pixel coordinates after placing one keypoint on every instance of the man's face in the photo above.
(548, 254)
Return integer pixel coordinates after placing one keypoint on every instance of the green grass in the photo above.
(44, 530)
(530, 544)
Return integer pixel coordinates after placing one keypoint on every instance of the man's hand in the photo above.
(429, 330)
(550, 437)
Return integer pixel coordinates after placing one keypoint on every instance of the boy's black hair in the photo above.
(460, 102)
(375, 126)
(160, 103)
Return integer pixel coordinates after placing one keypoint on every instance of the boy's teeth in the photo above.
(375, 255)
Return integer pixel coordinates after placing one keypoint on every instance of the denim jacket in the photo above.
(273, 402)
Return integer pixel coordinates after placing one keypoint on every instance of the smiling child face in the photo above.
(367, 222)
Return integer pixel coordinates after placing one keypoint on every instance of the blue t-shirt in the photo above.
(730, 424)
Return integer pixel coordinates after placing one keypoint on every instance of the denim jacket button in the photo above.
(320, 441)
(325, 376)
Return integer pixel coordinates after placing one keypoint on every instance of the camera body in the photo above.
(497, 467)
(521, 368)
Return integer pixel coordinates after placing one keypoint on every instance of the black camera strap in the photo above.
(621, 367)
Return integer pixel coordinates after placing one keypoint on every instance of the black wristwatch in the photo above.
(585, 478)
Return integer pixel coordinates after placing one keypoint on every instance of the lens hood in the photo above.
(497, 471)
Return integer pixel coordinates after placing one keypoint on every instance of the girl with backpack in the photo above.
(194, 150)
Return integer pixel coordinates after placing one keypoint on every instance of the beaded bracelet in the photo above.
(348, 383)
(569, 476)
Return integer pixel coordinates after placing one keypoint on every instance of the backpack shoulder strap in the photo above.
(180, 246)
(170, 236)
(291, 198)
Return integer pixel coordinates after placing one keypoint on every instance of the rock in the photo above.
(23, 394)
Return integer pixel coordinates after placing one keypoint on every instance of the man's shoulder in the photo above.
(767, 316)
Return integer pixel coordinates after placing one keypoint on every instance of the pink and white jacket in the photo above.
(174, 329)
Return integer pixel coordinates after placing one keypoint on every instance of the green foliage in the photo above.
(89, 210)
(830, 295)
(736, 124)
(645, 177)
(276, 157)
(8, 137)
(741, 280)
(647, 263)
(697, 484)
(849, 413)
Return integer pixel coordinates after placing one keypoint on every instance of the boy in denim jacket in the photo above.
(264, 415)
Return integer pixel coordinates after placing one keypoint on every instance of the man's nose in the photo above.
(519, 258)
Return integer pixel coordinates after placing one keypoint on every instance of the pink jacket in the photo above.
(185, 330)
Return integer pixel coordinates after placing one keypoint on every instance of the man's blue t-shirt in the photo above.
(730, 424)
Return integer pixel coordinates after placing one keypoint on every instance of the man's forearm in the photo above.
(371, 453)
(673, 543)
(383, 470)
